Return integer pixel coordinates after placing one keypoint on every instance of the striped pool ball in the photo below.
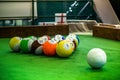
(25, 44)
(43, 39)
(14, 43)
(74, 40)
(32, 37)
(59, 37)
(36, 47)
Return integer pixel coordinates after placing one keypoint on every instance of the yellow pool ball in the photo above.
(14, 43)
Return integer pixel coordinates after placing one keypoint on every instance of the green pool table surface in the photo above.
(22, 66)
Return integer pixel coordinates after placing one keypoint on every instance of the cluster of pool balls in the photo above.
(50, 46)
(57, 45)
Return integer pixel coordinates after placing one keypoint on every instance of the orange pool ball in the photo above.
(49, 48)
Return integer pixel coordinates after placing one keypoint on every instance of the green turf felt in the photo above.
(19, 66)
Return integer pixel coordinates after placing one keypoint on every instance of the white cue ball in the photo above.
(96, 58)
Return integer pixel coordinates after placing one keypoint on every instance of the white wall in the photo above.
(14, 9)
(106, 12)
